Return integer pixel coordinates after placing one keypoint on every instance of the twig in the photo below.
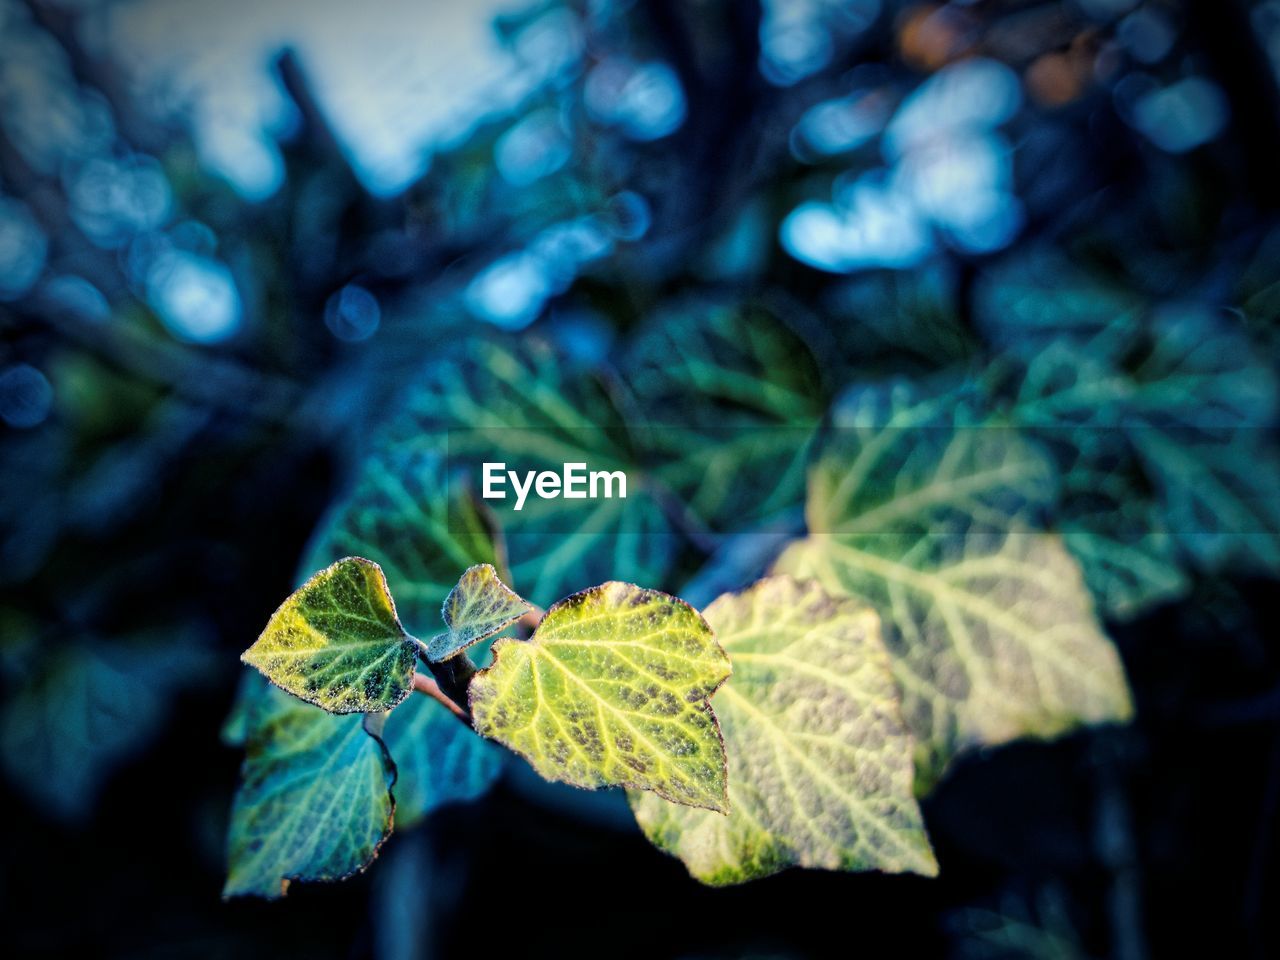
(424, 684)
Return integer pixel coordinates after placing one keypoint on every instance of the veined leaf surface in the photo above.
(337, 642)
(528, 409)
(820, 769)
(479, 606)
(314, 801)
(611, 690)
(732, 399)
(917, 506)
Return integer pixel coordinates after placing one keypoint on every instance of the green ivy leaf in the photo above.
(820, 771)
(438, 760)
(733, 399)
(1074, 402)
(919, 507)
(479, 606)
(612, 690)
(314, 801)
(529, 409)
(337, 642)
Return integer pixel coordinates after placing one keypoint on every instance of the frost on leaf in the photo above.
(478, 607)
(314, 801)
(612, 690)
(922, 509)
(336, 642)
(820, 770)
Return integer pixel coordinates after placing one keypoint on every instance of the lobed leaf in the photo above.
(820, 770)
(612, 690)
(921, 508)
(314, 801)
(479, 606)
(337, 642)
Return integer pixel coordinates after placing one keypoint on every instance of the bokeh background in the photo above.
(231, 233)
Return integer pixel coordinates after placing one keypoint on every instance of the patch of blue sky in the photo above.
(396, 79)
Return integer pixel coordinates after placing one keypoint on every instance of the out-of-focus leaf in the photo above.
(314, 801)
(820, 771)
(1174, 414)
(406, 515)
(526, 409)
(892, 314)
(479, 606)
(62, 737)
(337, 642)
(732, 399)
(611, 690)
(1030, 300)
(919, 507)
(438, 760)
(1073, 401)
(1203, 404)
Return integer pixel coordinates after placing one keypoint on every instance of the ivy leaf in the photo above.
(407, 515)
(820, 771)
(99, 702)
(314, 801)
(438, 760)
(528, 408)
(337, 642)
(733, 398)
(1074, 402)
(611, 690)
(920, 507)
(479, 606)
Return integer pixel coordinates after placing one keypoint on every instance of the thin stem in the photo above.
(424, 684)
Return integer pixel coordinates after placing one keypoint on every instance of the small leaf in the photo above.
(336, 642)
(478, 607)
(612, 690)
(314, 801)
(820, 771)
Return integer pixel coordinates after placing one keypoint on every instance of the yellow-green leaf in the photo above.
(478, 607)
(612, 690)
(820, 771)
(314, 801)
(921, 508)
(337, 642)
